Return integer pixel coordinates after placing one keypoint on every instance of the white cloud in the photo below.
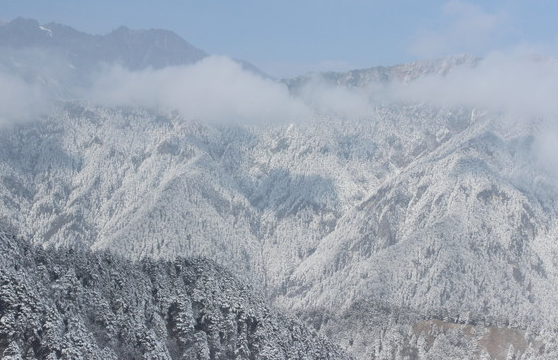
(337, 101)
(215, 89)
(521, 85)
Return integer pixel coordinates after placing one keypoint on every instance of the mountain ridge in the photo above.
(403, 73)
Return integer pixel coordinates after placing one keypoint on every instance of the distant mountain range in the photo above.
(65, 58)
(133, 49)
(415, 232)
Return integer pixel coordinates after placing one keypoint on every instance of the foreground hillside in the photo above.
(70, 304)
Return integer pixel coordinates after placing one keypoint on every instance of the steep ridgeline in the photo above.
(418, 207)
(75, 304)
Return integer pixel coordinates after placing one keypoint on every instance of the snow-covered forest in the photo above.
(74, 304)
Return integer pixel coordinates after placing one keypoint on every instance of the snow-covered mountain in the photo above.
(416, 231)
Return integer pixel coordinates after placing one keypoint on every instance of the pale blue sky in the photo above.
(290, 37)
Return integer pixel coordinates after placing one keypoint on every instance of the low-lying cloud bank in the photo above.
(219, 90)
(215, 89)
(336, 100)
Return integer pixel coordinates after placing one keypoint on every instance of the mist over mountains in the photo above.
(405, 212)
